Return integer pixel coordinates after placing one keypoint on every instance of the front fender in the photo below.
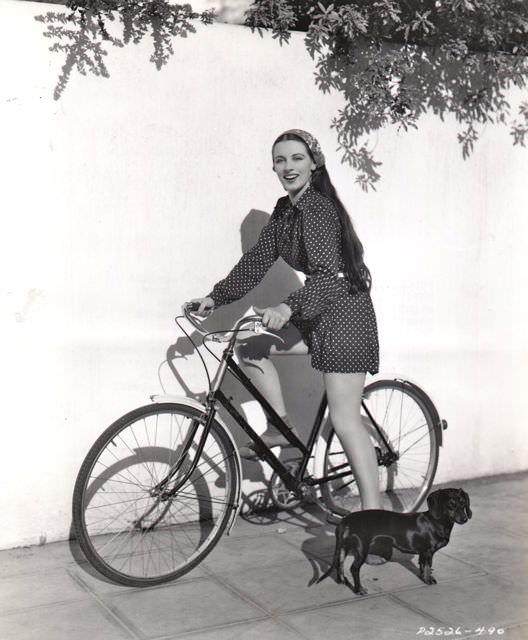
(190, 402)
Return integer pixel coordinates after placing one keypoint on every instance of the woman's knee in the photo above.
(347, 424)
(344, 392)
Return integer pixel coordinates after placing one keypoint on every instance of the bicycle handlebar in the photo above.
(189, 307)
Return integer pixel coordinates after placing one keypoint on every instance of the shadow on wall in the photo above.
(302, 386)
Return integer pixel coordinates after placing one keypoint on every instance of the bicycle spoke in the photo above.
(132, 533)
(425, 435)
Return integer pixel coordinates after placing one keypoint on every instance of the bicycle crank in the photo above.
(281, 496)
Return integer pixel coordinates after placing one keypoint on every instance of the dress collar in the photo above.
(305, 195)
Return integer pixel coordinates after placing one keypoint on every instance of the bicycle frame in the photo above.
(292, 481)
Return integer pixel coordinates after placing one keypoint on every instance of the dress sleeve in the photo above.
(322, 241)
(250, 269)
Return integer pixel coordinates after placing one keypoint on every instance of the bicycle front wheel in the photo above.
(128, 529)
(405, 421)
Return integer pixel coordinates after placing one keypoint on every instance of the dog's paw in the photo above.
(361, 591)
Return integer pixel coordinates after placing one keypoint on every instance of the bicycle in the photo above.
(162, 484)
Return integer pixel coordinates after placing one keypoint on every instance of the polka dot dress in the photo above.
(338, 325)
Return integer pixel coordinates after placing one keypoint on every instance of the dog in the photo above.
(378, 532)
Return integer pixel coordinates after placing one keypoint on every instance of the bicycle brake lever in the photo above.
(259, 328)
(220, 338)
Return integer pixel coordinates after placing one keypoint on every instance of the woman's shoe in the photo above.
(272, 437)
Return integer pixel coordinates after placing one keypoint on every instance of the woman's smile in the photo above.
(291, 177)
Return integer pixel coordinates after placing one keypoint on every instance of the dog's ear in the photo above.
(469, 513)
(435, 503)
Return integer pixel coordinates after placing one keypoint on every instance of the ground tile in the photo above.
(499, 501)
(40, 557)
(21, 560)
(262, 630)
(93, 582)
(318, 541)
(72, 621)
(296, 520)
(402, 572)
(473, 602)
(96, 583)
(516, 574)
(237, 554)
(377, 618)
(289, 587)
(516, 522)
(492, 551)
(508, 514)
(38, 589)
(183, 607)
(257, 523)
(518, 528)
(473, 527)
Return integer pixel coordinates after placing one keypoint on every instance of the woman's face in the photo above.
(293, 165)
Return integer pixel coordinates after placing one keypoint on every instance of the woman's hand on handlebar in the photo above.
(275, 317)
(202, 306)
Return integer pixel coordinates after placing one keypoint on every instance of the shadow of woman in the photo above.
(300, 396)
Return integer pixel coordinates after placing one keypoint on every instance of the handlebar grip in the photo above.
(192, 306)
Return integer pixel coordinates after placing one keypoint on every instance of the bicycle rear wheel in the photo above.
(402, 414)
(126, 528)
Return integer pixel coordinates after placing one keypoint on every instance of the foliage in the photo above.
(391, 60)
(81, 33)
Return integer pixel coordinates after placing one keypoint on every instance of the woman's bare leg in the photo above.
(253, 355)
(344, 391)
(265, 377)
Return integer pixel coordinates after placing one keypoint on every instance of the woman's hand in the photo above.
(206, 306)
(275, 317)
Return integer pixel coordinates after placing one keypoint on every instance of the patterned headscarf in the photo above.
(311, 143)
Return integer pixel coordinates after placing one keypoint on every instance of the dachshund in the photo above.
(378, 532)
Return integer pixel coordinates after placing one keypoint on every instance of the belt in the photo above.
(339, 274)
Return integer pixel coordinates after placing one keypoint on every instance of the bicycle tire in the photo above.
(133, 537)
(411, 430)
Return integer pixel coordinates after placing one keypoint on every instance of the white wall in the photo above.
(126, 197)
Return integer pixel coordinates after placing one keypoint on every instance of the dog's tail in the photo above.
(335, 560)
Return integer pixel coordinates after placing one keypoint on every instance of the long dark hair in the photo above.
(355, 268)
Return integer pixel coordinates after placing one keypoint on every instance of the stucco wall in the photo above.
(131, 195)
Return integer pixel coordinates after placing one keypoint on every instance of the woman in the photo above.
(310, 229)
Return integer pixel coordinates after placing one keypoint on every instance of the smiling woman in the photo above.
(331, 317)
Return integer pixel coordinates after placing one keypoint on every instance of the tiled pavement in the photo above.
(257, 585)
